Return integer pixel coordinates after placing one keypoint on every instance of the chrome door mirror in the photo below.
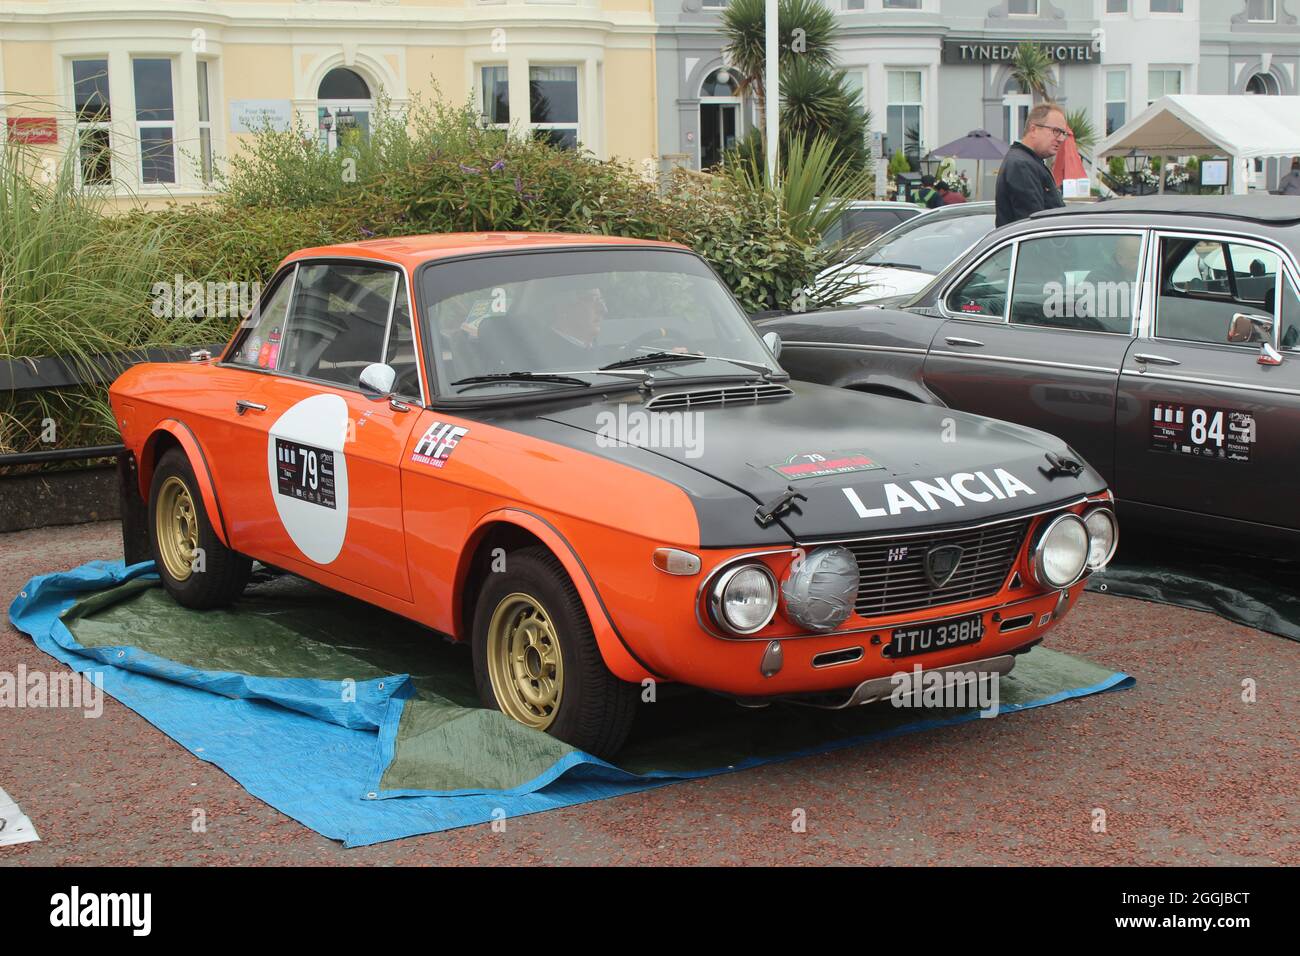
(1244, 327)
(1269, 355)
(773, 342)
(377, 380)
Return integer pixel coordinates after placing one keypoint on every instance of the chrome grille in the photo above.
(900, 585)
(717, 397)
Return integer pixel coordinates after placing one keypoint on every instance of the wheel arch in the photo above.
(172, 433)
(511, 529)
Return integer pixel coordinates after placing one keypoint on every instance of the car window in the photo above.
(564, 312)
(1080, 282)
(259, 345)
(1290, 316)
(983, 293)
(338, 321)
(1205, 282)
(400, 353)
(928, 243)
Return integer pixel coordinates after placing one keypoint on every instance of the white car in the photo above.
(869, 217)
(903, 260)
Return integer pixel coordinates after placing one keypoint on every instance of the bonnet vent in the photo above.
(718, 397)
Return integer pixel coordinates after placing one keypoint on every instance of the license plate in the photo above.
(936, 636)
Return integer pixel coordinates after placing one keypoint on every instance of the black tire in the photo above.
(224, 572)
(596, 709)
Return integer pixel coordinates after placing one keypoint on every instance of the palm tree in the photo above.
(744, 25)
(1085, 134)
(1032, 68)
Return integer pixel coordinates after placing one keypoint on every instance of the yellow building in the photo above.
(166, 88)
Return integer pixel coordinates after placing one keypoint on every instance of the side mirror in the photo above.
(773, 342)
(1243, 327)
(377, 380)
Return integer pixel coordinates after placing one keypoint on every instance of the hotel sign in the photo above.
(974, 52)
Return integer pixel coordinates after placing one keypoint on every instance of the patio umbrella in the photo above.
(1068, 163)
(978, 145)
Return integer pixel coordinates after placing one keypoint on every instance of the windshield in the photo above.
(572, 313)
(928, 243)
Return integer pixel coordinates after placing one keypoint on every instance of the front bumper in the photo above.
(883, 688)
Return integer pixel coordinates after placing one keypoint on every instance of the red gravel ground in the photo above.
(1186, 772)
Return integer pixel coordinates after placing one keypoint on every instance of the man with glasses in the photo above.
(1025, 184)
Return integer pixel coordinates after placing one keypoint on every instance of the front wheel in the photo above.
(195, 567)
(536, 658)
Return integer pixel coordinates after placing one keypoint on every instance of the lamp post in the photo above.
(1134, 160)
(771, 87)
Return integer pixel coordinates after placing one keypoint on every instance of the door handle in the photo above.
(243, 405)
(1143, 358)
(958, 340)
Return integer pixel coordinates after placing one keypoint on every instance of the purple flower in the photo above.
(367, 232)
(499, 164)
(472, 170)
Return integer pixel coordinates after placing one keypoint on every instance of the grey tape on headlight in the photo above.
(820, 592)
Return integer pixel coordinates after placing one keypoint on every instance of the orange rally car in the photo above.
(576, 453)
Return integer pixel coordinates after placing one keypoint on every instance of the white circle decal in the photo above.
(309, 474)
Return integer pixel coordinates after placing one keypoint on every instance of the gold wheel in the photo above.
(524, 661)
(176, 527)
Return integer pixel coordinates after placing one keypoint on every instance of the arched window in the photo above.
(343, 104)
(1263, 84)
(719, 115)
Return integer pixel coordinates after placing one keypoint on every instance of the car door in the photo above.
(1212, 421)
(330, 492)
(1036, 333)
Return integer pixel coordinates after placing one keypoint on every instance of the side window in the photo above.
(1084, 282)
(338, 321)
(983, 293)
(259, 346)
(1290, 316)
(400, 353)
(1205, 282)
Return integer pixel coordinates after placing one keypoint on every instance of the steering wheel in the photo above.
(667, 336)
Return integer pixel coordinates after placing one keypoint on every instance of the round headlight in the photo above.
(744, 599)
(1062, 552)
(821, 589)
(1103, 537)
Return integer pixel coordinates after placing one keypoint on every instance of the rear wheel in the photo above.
(536, 658)
(195, 567)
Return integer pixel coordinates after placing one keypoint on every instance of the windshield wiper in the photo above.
(520, 377)
(653, 358)
(558, 378)
(656, 357)
(894, 265)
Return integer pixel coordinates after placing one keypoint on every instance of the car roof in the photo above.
(968, 208)
(1261, 208)
(412, 251)
(880, 204)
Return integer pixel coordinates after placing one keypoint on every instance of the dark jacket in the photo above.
(1025, 185)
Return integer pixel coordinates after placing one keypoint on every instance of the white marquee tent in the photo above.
(1243, 128)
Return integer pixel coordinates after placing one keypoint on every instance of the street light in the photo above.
(1134, 169)
(930, 164)
(771, 87)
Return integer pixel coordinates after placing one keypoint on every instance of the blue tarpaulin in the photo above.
(319, 755)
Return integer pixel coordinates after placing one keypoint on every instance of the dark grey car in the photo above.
(1158, 336)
